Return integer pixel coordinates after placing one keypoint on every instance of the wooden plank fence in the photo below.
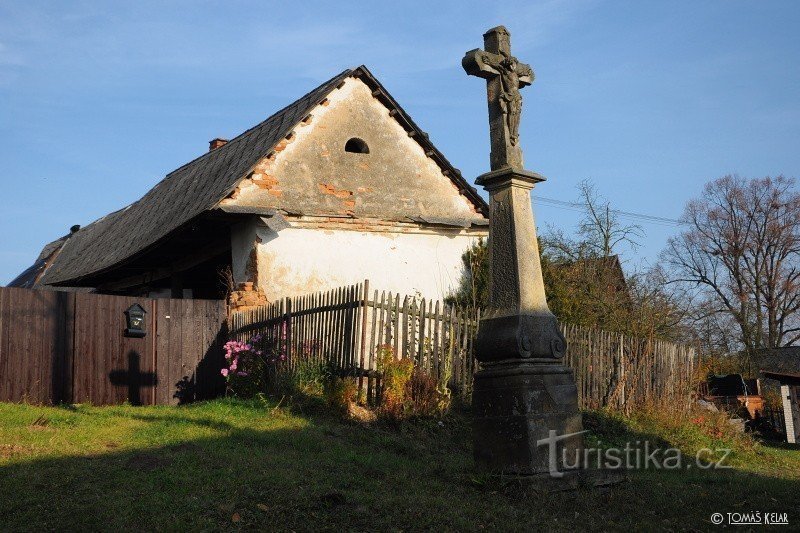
(347, 326)
(623, 372)
(70, 347)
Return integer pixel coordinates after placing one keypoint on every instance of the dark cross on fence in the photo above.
(133, 378)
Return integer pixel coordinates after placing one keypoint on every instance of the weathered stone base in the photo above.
(518, 403)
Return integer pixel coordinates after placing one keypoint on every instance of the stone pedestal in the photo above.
(523, 394)
(516, 405)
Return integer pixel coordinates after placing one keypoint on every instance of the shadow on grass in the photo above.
(316, 473)
(612, 430)
(781, 445)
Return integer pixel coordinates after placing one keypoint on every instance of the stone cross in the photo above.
(517, 302)
(523, 394)
(505, 76)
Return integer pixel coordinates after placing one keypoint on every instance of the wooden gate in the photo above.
(71, 347)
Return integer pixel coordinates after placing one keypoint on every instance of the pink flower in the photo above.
(234, 366)
(224, 372)
(283, 358)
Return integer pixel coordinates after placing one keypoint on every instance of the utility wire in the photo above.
(572, 206)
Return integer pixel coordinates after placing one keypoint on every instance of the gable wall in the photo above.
(311, 174)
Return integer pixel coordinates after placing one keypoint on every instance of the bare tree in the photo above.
(657, 309)
(741, 255)
(586, 283)
(601, 228)
(600, 232)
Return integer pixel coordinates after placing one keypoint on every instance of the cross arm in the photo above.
(484, 65)
(525, 73)
(479, 63)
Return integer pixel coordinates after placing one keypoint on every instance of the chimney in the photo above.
(216, 143)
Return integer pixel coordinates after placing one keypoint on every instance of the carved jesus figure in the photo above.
(510, 99)
(504, 76)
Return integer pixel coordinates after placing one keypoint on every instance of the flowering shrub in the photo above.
(247, 366)
(254, 367)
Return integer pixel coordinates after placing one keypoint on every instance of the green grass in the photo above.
(245, 465)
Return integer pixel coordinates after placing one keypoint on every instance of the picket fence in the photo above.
(347, 326)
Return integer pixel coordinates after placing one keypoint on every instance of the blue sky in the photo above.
(650, 100)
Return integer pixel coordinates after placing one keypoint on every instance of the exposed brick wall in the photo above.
(247, 296)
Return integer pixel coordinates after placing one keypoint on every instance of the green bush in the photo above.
(341, 392)
(396, 374)
(426, 396)
(408, 391)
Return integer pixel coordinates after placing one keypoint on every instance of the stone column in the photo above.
(523, 391)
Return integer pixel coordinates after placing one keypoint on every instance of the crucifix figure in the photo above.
(505, 76)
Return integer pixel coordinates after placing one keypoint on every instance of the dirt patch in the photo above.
(360, 414)
(10, 450)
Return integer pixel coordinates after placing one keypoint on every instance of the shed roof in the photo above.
(784, 360)
(201, 184)
(786, 378)
(29, 278)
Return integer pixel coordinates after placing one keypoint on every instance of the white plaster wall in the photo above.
(300, 261)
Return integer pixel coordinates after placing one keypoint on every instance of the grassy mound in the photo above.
(232, 464)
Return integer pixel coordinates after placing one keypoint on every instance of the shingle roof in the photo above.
(780, 360)
(29, 278)
(182, 195)
(200, 185)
